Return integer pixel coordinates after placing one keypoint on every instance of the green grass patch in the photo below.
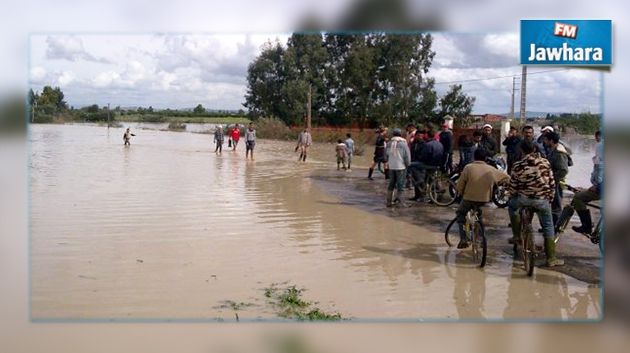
(289, 304)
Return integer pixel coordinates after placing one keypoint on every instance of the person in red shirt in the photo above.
(236, 135)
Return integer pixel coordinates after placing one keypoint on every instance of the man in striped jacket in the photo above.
(532, 185)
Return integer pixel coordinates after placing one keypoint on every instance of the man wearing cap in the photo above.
(399, 158)
(559, 161)
(543, 131)
(487, 141)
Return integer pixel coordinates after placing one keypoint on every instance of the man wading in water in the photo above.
(250, 140)
(127, 137)
(304, 142)
(218, 139)
(236, 135)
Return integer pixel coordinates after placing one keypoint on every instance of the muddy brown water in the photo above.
(167, 229)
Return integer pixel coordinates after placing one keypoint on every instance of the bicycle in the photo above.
(440, 189)
(567, 212)
(475, 235)
(526, 241)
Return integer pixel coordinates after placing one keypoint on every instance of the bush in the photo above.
(176, 126)
(273, 128)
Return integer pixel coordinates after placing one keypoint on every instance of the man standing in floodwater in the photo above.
(235, 135)
(350, 146)
(250, 140)
(127, 137)
(304, 142)
(399, 158)
(379, 152)
(341, 151)
(218, 139)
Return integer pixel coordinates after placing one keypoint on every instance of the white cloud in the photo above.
(38, 75)
(107, 79)
(65, 78)
(506, 45)
(69, 48)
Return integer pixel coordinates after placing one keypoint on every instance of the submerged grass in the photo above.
(289, 304)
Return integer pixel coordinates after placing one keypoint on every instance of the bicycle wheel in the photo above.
(442, 190)
(479, 244)
(451, 239)
(499, 196)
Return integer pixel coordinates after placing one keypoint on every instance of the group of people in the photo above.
(234, 136)
(407, 159)
(537, 170)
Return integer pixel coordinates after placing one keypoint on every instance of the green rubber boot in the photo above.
(550, 252)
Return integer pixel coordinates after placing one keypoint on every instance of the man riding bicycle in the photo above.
(532, 185)
(475, 184)
(593, 193)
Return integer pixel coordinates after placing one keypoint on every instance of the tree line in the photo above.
(50, 105)
(361, 80)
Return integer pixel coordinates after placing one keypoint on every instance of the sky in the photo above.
(165, 70)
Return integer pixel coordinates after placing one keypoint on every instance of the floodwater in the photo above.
(167, 229)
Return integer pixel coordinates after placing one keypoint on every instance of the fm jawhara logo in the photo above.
(566, 42)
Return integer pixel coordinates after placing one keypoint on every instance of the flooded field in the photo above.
(167, 229)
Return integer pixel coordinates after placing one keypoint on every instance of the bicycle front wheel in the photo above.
(479, 244)
(442, 190)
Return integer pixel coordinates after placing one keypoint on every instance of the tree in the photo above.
(304, 63)
(54, 97)
(455, 103)
(199, 109)
(265, 77)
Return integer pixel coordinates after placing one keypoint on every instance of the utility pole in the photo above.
(523, 92)
(308, 111)
(513, 90)
(108, 115)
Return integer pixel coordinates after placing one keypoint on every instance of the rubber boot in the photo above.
(390, 197)
(304, 158)
(370, 172)
(566, 214)
(386, 173)
(587, 223)
(550, 252)
(516, 230)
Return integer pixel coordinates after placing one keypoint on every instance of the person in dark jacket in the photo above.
(511, 142)
(431, 157)
(559, 160)
(446, 139)
(465, 146)
(415, 147)
(488, 142)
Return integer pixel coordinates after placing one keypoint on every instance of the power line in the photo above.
(498, 77)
